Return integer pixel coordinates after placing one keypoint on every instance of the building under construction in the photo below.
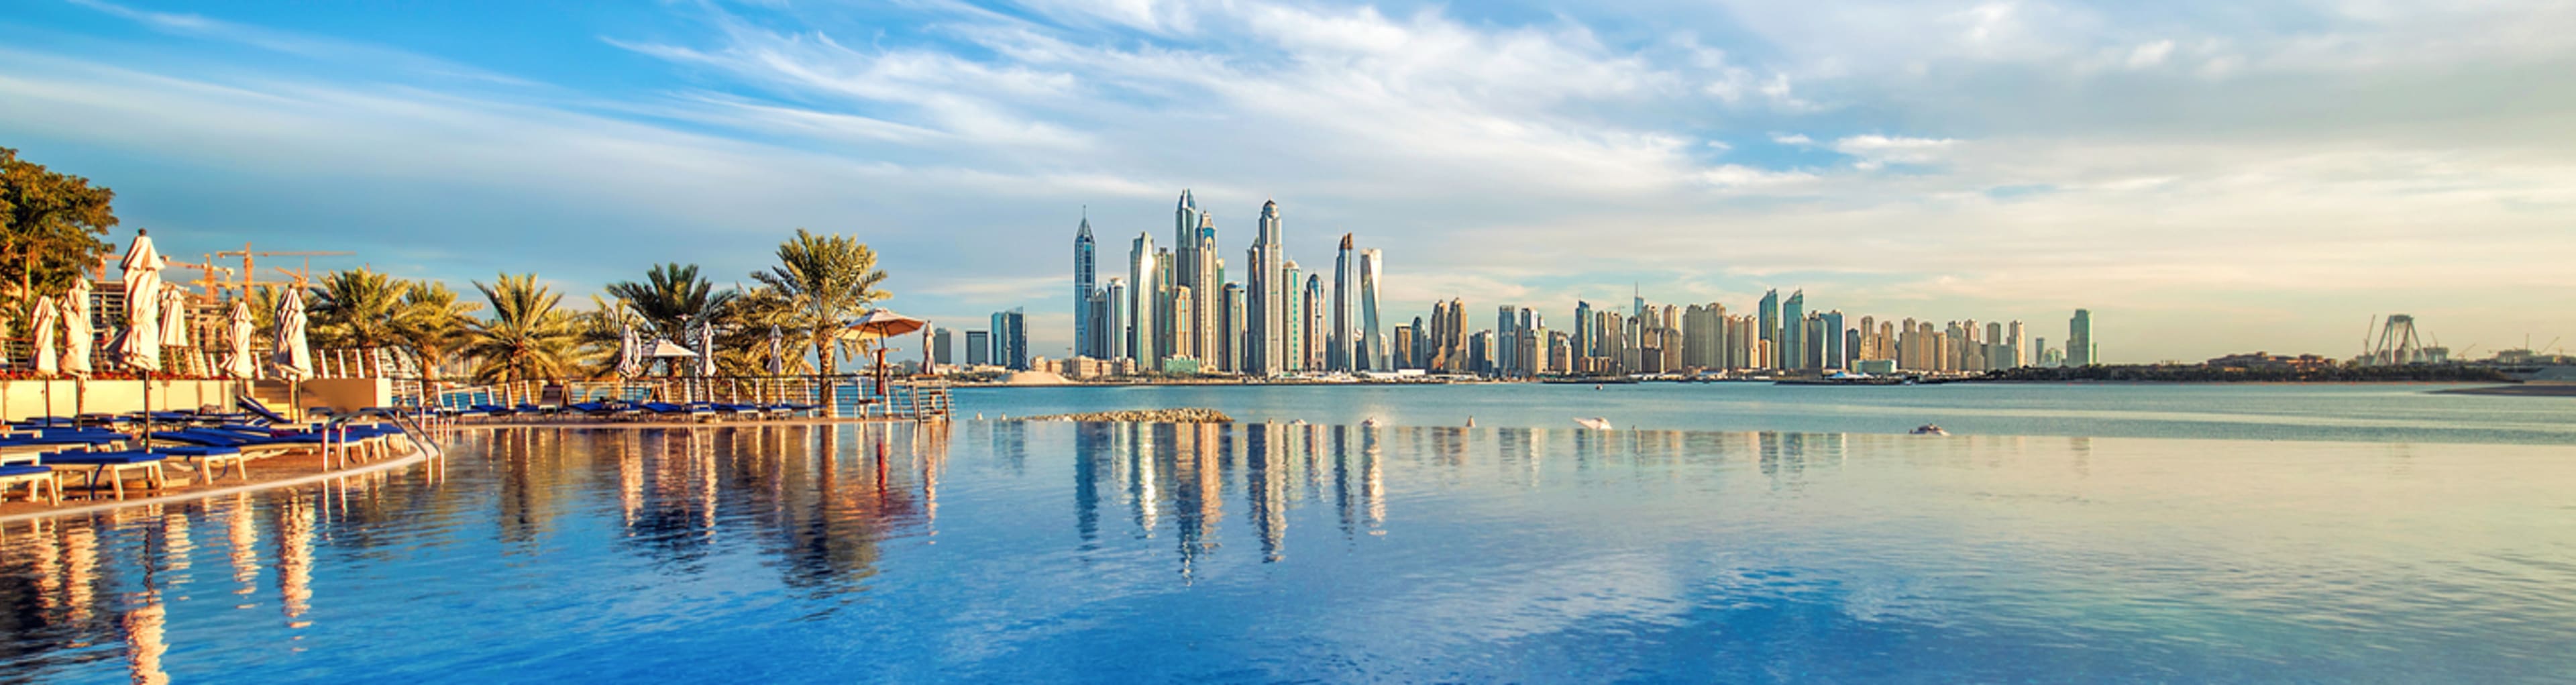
(2396, 343)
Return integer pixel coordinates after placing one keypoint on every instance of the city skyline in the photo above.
(2268, 177)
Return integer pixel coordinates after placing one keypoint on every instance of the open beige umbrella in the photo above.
(884, 324)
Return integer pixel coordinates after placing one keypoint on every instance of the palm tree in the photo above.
(826, 281)
(357, 308)
(527, 337)
(671, 296)
(743, 343)
(432, 323)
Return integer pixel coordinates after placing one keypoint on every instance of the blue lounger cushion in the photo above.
(24, 470)
(103, 458)
(194, 450)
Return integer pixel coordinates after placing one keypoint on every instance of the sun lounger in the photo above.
(40, 482)
(113, 466)
(206, 458)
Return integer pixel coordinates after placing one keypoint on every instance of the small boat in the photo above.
(1372, 422)
(1299, 422)
(1930, 429)
(1471, 421)
(1594, 423)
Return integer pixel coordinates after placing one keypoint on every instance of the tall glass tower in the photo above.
(1143, 285)
(1793, 347)
(1372, 274)
(2079, 340)
(1338, 355)
(1085, 274)
(1770, 313)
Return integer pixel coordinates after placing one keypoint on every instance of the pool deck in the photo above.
(280, 471)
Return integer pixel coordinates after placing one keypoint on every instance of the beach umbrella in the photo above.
(139, 345)
(46, 318)
(174, 318)
(76, 331)
(42, 329)
(237, 329)
(777, 347)
(630, 360)
(293, 360)
(884, 324)
(707, 350)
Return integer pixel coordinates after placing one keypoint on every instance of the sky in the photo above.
(2206, 177)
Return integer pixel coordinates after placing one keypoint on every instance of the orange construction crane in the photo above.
(250, 265)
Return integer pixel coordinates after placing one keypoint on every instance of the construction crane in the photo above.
(250, 264)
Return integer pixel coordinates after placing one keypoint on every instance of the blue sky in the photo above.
(2209, 177)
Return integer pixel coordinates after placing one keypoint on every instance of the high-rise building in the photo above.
(1233, 337)
(1504, 318)
(1119, 319)
(942, 347)
(1292, 317)
(1344, 271)
(979, 348)
(1793, 337)
(2020, 353)
(1085, 275)
(1146, 309)
(1836, 356)
(1268, 296)
(1315, 335)
(1372, 337)
(1194, 266)
(1770, 312)
(1010, 340)
(2080, 350)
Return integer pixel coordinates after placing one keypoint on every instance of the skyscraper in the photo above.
(1372, 338)
(1292, 317)
(1085, 266)
(1232, 337)
(1011, 339)
(979, 348)
(1118, 341)
(2079, 340)
(1836, 356)
(1793, 337)
(1145, 310)
(2020, 351)
(1504, 318)
(1268, 295)
(942, 347)
(1770, 313)
(1339, 356)
(1315, 333)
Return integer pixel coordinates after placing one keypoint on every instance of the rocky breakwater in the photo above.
(1188, 415)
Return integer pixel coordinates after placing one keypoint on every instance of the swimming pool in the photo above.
(994, 551)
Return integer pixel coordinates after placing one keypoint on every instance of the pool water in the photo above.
(1061, 552)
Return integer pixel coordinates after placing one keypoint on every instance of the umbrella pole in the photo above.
(147, 410)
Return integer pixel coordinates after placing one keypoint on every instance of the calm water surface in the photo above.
(2346, 412)
(988, 552)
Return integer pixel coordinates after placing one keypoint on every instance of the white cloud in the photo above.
(1792, 139)
(2150, 54)
(1875, 151)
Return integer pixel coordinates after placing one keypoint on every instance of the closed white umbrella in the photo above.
(777, 360)
(706, 350)
(46, 319)
(76, 331)
(237, 330)
(174, 318)
(293, 359)
(630, 356)
(139, 346)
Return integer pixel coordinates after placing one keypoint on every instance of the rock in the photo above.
(1185, 415)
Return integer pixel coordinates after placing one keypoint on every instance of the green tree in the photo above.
(433, 323)
(671, 296)
(528, 336)
(51, 226)
(826, 281)
(357, 308)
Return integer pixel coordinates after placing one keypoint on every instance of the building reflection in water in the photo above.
(823, 505)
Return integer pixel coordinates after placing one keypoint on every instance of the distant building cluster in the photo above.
(1178, 310)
